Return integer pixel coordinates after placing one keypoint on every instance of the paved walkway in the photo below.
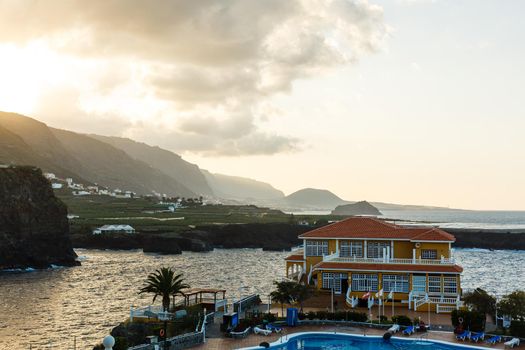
(322, 302)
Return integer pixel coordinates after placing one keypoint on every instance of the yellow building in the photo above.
(362, 256)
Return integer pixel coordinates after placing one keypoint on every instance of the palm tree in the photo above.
(163, 282)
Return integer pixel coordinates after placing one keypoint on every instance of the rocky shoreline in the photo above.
(34, 229)
(276, 237)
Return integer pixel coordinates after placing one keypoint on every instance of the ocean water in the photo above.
(504, 220)
(494, 220)
(49, 309)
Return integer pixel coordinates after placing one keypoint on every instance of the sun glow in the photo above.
(25, 72)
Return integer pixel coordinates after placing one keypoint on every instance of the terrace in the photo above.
(386, 259)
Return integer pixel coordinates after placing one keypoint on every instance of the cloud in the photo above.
(206, 66)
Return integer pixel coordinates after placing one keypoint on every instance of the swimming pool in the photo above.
(339, 341)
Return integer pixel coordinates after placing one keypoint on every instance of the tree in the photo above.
(164, 283)
(288, 292)
(281, 294)
(513, 305)
(481, 301)
(300, 293)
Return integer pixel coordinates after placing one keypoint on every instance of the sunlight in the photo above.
(23, 78)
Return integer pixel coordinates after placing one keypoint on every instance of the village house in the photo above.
(361, 256)
(108, 229)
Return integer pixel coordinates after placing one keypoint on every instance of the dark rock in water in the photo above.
(358, 208)
(34, 229)
(160, 244)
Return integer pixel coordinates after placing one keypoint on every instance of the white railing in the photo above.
(336, 258)
(441, 301)
(442, 309)
(145, 311)
(331, 257)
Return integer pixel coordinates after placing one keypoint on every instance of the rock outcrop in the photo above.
(358, 208)
(34, 230)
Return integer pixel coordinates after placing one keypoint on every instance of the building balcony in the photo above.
(335, 258)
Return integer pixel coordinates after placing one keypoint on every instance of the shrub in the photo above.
(321, 315)
(383, 319)
(517, 329)
(340, 316)
(330, 316)
(402, 320)
(269, 317)
(472, 320)
(311, 315)
(357, 316)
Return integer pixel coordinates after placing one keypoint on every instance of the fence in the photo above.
(182, 341)
(246, 302)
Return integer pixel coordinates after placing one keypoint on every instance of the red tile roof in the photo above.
(390, 267)
(295, 257)
(372, 228)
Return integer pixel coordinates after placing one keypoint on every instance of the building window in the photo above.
(375, 249)
(419, 284)
(352, 249)
(364, 282)
(450, 285)
(333, 279)
(396, 283)
(429, 254)
(434, 284)
(316, 248)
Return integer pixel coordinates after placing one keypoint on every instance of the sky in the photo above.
(401, 101)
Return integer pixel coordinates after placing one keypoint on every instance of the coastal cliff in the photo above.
(269, 236)
(358, 208)
(34, 230)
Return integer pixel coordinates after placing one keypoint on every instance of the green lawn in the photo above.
(147, 214)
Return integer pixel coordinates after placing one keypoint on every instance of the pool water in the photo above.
(331, 341)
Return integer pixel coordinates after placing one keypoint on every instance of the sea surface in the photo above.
(50, 309)
(451, 218)
(493, 220)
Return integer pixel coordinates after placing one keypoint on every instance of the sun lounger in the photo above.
(493, 340)
(512, 343)
(409, 330)
(477, 336)
(258, 330)
(463, 336)
(394, 329)
(273, 328)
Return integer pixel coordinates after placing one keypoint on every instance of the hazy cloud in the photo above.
(209, 64)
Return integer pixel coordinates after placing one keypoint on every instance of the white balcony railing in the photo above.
(335, 257)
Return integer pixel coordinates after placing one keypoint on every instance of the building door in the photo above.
(344, 283)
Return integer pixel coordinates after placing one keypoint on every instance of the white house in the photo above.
(81, 193)
(56, 185)
(50, 176)
(114, 229)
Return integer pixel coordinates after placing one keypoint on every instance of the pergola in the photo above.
(202, 296)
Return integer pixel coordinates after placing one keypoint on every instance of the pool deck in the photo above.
(254, 340)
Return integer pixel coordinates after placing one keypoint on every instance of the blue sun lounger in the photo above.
(273, 328)
(493, 340)
(409, 330)
(463, 336)
(477, 336)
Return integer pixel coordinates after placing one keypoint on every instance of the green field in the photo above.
(147, 214)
